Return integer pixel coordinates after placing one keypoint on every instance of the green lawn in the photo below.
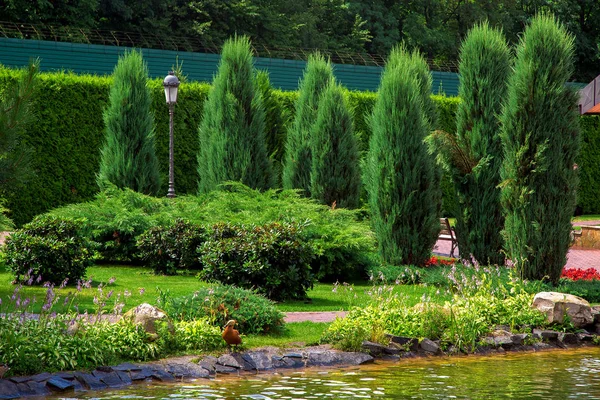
(136, 285)
(591, 217)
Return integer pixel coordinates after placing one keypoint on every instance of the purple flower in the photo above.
(38, 279)
(142, 291)
(25, 302)
(109, 295)
(111, 280)
(64, 283)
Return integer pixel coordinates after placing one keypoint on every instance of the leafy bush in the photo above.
(169, 249)
(34, 346)
(253, 312)
(51, 248)
(273, 258)
(341, 239)
(197, 335)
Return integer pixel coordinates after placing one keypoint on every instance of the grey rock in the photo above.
(293, 362)
(111, 379)
(229, 361)
(140, 375)
(248, 363)
(429, 346)
(20, 379)
(147, 316)
(318, 359)
(33, 388)
(40, 377)
(208, 363)
(59, 383)
(127, 367)
(503, 341)
(595, 314)
(187, 370)
(8, 389)
(545, 334)
(394, 348)
(354, 358)
(519, 338)
(374, 349)
(65, 375)
(557, 306)
(124, 377)
(222, 369)
(263, 361)
(162, 376)
(568, 338)
(585, 337)
(541, 346)
(104, 368)
(89, 381)
(293, 355)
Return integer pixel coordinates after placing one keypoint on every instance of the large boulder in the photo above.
(558, 305)
(147, 315)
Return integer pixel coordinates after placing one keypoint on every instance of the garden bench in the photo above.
(447, 233)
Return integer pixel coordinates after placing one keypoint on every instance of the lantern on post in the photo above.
(171, 85)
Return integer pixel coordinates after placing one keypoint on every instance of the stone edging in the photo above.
(172, 369)
(269, 359)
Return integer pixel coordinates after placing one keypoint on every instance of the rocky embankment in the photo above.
(170, 370)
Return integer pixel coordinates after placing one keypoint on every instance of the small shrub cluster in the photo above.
(341, 239)
(49, 248)
(253, 312)
(476, 308)
(172, 248)
(273, 258)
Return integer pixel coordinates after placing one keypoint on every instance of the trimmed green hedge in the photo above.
(68, 134)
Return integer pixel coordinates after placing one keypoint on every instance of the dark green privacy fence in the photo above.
(101, 60)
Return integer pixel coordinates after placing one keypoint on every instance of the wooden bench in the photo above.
(447, 233)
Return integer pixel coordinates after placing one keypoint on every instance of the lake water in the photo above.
(543, 375)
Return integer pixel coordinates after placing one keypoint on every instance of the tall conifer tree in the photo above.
(335, 173)
(541, 141)
(404, 196)
(128, 157)
(232, 130)
(298, 160)
(473, 157)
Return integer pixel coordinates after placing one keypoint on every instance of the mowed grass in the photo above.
(296, 334)
(135, 285)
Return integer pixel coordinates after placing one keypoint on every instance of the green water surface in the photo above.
(542, 375)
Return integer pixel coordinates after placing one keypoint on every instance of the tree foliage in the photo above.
(335, 174)
(473, 157)
(404, 197)
(128, 157)
(232, 131)
(298, 159)
(540, 136)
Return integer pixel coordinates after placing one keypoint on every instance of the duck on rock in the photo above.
(231, 336)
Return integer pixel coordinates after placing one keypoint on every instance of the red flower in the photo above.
(577, 274)
(434, 262)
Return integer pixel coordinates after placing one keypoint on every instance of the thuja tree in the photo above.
(403, 193)
(541, 140)
(473, 157)
(16, 114)
(128, 158)
(298, 161)
(232, 130)
(335, 177)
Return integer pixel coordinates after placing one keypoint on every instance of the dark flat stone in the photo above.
(222, 369)
(34, 388)
(249, 364)
(141, 374)
(429, 346)
(65, 375)
(229, 360)
(20, 379)
(408, 343)
(188, 370)
(519, 338)
(104, 368)
(111, 379)
(8, 390)
(568, 338)
(89, 381)
(59, 383)
(375, 349)
(293, 355)
(127, 367)
(585, 337)
(124, 376)
(208, 363)
(40, 377)
(162, 376)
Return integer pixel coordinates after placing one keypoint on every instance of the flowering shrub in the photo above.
(577, 274)
(435, 262)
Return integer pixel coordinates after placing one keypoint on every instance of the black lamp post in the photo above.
(171, 84)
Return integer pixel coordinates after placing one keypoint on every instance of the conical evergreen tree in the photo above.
(335, 176)
(404, 196)
(474, 156)
(128, 157)
(540, 136)
(232, 130)
(298, 161)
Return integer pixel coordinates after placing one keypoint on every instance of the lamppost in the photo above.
(171, 84)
